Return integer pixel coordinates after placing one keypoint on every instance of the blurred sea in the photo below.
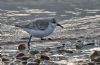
(12, 12)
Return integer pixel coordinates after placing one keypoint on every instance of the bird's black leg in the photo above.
(29, 42)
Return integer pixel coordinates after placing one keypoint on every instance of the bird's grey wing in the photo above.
(41, 24)
(37, 25)
(29, 26)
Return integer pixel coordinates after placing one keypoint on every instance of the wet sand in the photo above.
(86, 29)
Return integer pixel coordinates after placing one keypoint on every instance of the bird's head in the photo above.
(54, 22)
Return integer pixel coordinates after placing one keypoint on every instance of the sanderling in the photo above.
(40, 27)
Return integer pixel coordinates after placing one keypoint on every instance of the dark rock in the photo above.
(24, 58)
(33, 52)
(69, 51)
(37, 60)
(95, 56)
(44, 57)
(19, 55)
(78, 46)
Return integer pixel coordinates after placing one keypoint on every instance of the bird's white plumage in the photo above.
(40, 27)
(41, 33)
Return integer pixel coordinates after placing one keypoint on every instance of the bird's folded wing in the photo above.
(37, 25)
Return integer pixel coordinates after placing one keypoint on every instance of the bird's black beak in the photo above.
(60, 25)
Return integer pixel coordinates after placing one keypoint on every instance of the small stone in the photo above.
(33, 52)
(5, 60)
(19, 55)
(24, 58)
(22, 47)
(44, 57)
